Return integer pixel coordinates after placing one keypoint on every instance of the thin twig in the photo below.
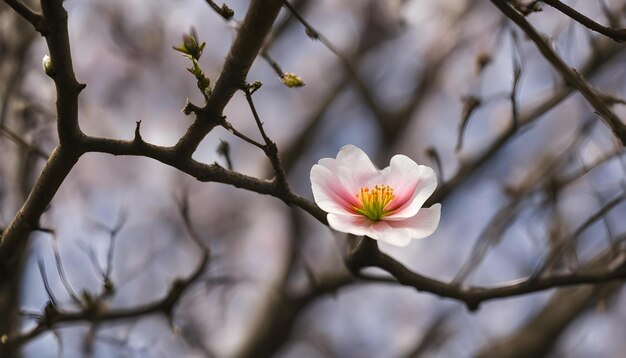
(27, 13)
(618, 35)
(571, 76)
(16, 138)
(270, 148)
(367, 254)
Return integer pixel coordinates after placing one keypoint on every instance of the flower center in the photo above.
(373, 201)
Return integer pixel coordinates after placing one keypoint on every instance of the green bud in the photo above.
(291, 80)
(46, 62)
(190, 46)
(254, 86)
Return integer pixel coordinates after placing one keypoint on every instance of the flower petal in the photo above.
(354, 168)
(423, 224)
(413, 184)
(328, 163)
(355, 225)
(361, 226)
(397, 233)
(384, 232)
(329, 193)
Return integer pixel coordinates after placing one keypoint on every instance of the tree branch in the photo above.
(62, 71)
(571, 76)
(203, 172)
(27, 13)
(254, 29)
(365, 253)
(618, 35)
(52, 317)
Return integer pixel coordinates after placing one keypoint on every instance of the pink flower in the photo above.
(385, 205)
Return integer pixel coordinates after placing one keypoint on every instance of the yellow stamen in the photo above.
(373, 201)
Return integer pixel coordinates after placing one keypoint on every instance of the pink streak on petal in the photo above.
(421, 183)
(402, 197)
(329, 193)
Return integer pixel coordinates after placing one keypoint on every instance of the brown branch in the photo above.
(618, 35)
(62, 71)
(224, 11)
(27, 13)
(13, 136)
(601, 56)
(380, 113)
(366, 254)
(26, 220)
(245, 48)
(64, 156)
(571, 76)
(270, 148)
(540, 333)
(203, 172)
(254, 28)
(53, 317)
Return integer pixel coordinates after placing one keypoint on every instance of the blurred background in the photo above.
(530, 180)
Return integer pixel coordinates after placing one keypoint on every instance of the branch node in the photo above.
(359, 251)
(138, 138)
(190, 108)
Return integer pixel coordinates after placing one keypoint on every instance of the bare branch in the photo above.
(202, 172)
(618, 35)
(571, 76)
(22, 142)
(366, 254)
(27, 13)
(253, 30)
(164, 305)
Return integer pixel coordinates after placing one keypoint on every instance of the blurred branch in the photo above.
(437, 333)
(63, 158)
(602, 54)
(224, 11)
(618, 35)
(16, 138)
(379, 113)
(544, 178)
(540, 333)
(558, 251)
(571, 76)
(27, 13)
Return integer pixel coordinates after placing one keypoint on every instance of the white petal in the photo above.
(354, 168)
(397, 233)
(329, 193)
(328, 163)
(355, 225)
(423, 224)
(413, 184)
(384, 232)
